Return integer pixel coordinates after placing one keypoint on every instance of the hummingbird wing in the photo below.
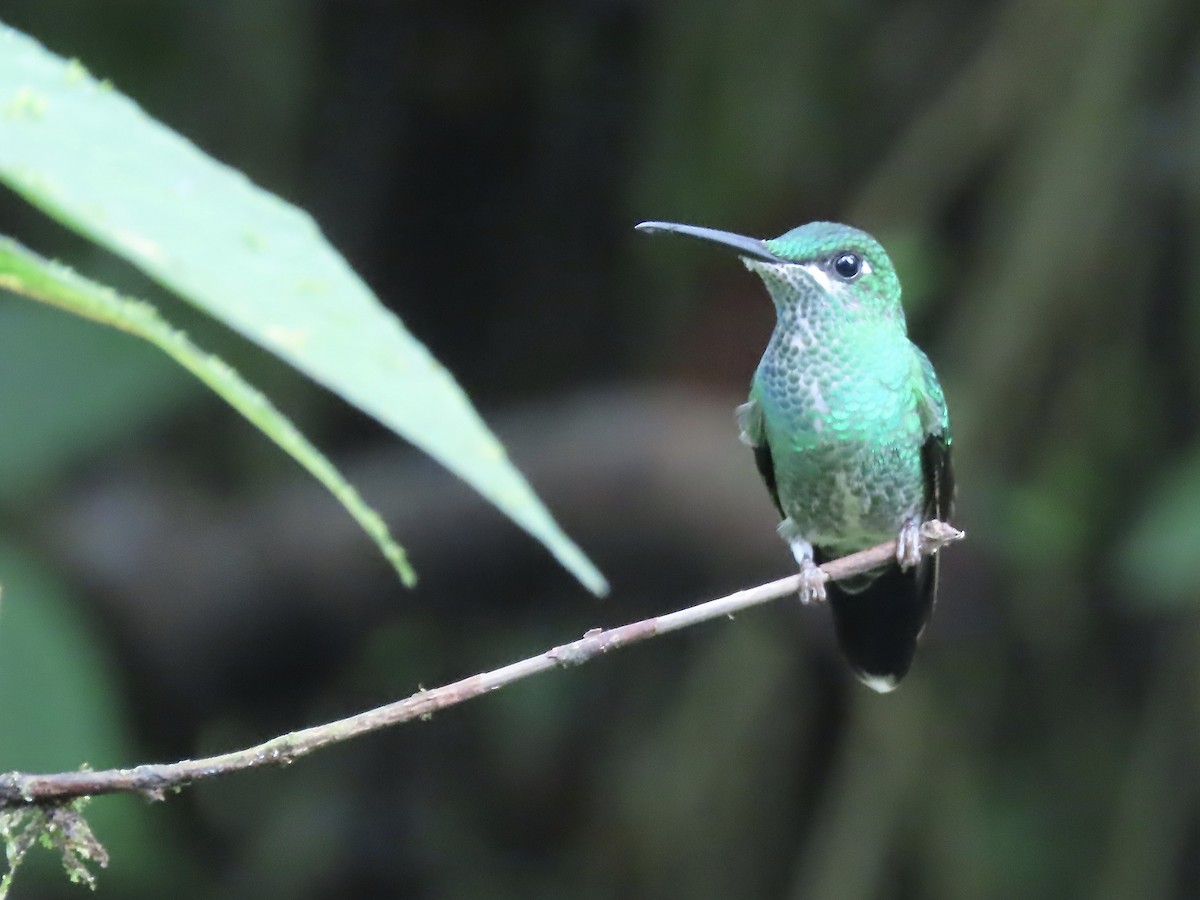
(752, 431)
(936, 469)
(935, 451)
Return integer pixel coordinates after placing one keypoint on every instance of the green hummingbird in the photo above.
(850, 432)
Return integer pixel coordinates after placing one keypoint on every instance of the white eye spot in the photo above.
(817, 274)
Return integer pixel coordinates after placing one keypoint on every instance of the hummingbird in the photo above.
(850, 432)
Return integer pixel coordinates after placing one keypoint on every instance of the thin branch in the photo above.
(21, 789)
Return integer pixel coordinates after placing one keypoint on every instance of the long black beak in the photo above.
(746, 246)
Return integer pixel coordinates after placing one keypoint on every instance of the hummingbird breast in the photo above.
(845, 435)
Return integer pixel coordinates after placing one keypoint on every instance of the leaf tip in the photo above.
(583, 569)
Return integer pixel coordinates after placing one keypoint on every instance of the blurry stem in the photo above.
(1153, 807)
(19, 789)
(870, 787)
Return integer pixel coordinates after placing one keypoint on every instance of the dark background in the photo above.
(174, 586)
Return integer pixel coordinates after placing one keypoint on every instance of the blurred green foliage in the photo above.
(1032, 168)
(61, 698)
(111, 385)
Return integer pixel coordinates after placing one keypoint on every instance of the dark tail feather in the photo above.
(878, 624)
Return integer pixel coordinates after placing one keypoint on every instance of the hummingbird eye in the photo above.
(848, 265)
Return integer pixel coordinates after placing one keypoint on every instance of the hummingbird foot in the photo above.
(908, 543)
(812, 583)
(812, 579)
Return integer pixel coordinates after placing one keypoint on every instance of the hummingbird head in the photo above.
(821, 263)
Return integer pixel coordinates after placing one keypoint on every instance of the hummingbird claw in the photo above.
(908, 544)
(812, 579)
(812, 583)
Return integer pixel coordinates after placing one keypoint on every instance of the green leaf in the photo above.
(27, 273)
(89, 157)
(57, 691)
